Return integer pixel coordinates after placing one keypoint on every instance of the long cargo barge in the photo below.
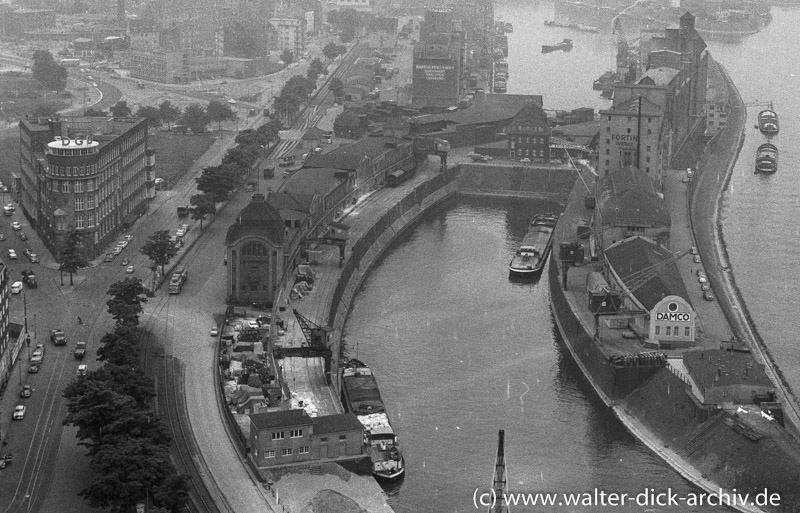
(362, 397)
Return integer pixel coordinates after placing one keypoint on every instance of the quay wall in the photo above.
(551, 184)
(714, 173)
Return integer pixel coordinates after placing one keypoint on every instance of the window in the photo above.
(675, 331)
(323, 440)
(277, 435)
(649, 131)
(658, 330)
(608, 141)
(608, 152)
(303, 450)
(296, 433)
(286, 452)
(669, 331)
(79, 186)
(269, 454)
(342, 438)
(608, 129)
(649, 148)
(65, 186)
(79, 221)
(79, 203)
(688, 331)
(629, 130)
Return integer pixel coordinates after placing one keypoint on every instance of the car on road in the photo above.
(57, 337)
(117, 250)
(705, 286)
(214, 331)
(686, 179)
(16, 287)
(125, 261)
(82, 369)
(16, 226)
(26, 391)
(12, 254)
(702, 278)
(708, 295)
(700, 271)
(19, 412)
(122, 244)
(33, 369)
(2, 236)
(22, 236)
(127, 238)
(129, 270)
(38, 354)
(80, 350)
(697, 259)
(184, 227)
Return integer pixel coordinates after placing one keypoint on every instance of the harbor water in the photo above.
(461, 351)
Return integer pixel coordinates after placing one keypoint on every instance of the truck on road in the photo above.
(58, 338)
(80, 350)
(179, 277)
(29, 279)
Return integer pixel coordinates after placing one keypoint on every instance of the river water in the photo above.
(460, 351)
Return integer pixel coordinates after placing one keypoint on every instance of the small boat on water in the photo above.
(536, 245)
(767, 158)
(565, 45)
(768, 121)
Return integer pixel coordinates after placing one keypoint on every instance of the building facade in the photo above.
(290, 35)
(87, 174)
(529, 135)
(672, 323)
(630, 135)
(255, 253)
(6, 349)
(436, 78)
(291, 436)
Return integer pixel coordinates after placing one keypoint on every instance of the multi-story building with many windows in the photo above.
(93, 175)
(6, 349)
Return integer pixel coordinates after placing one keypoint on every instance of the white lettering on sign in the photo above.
(671, 316)
(434, 71)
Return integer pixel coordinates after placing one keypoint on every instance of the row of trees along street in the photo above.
(195, 117)
(128, 443)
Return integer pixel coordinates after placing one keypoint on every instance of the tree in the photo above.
(195, 117)
(318, 66)
(99, 113)
(331, 51)
(43, 111)
(159, 249)
(337, 87)
(152, 114)
(217, 182)
(119, 347)
(121, 109)
(287, 57)
(202, 206)
(72, 258)
(126, 301)
(169, 113)
(47, 71)
(219, 112)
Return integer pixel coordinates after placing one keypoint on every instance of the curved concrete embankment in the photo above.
(713, 179)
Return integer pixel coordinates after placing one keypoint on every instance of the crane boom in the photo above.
(637, 279)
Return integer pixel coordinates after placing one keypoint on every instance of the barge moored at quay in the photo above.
(535, 248)
(362, 397)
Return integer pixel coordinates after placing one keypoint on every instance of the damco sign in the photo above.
(673, 316)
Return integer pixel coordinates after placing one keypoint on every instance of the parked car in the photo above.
(708, 295)
(16, 287)
(127, 238)
(117, 250)
(697, 259)
(33, 369)
(2, 236)
(122, 244)
(12, 254)
(109, 257)
(19, 412)
(16, 226)
(125, 261)
(129, 270)
(82, 369)
(702, 278)
(26, 391)
(214, 331)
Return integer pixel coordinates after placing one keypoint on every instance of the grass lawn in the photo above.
(176, 153)
(20, 94)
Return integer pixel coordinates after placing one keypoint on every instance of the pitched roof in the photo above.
(320, 180)
(257, 219)
(337, 423)
(638, 255)
(628, 197)
(289, 200)
(348, 157)
(630, 107)
(280, 419)
(347, 118)
(530, 112)
(661, 76)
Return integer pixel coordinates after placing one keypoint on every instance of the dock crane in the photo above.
(316, 335)
(637, 279)
(315, 346)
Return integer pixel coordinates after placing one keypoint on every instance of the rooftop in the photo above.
(721, 368)
(281, 419)
(336, 423)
